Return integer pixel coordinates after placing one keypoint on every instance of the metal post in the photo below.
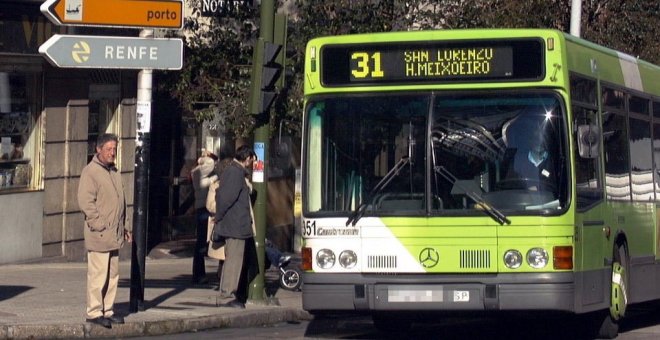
(141, 188)
(261, 137)
(576, 15)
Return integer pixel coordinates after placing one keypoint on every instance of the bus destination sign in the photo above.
(415, 62)
(432, 63)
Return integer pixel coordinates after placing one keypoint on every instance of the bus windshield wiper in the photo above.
(485, 207)
(359, 211)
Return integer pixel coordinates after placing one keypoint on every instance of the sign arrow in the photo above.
(115, 13)
(91, 51)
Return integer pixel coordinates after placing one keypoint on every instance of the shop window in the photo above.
(103, 106)
(19, 103)
(98, 121)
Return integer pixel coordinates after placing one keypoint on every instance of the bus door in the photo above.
(592, 248)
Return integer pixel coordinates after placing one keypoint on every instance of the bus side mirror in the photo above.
(588, 137)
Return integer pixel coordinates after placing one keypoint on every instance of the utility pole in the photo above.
(576, 17)
(267, 74)
(141, 187)
(261, 136)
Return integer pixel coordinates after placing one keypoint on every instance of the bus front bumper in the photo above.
(361, 292)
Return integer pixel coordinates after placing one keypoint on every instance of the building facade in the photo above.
(49, 120)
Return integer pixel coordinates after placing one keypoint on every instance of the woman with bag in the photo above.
(202, 176)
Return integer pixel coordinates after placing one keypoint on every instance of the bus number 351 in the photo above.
(361, 69)
(310, 228)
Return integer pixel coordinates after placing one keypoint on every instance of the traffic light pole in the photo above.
(261, 137)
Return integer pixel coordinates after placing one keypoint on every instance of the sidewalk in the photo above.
(47, 300)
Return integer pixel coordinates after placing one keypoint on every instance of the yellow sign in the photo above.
(115, 13)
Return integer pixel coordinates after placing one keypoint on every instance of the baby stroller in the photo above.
(288, 266)
(290, 274)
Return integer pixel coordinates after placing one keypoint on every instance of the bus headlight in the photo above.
(347, 259)
(512, 259)
(537, 258)
(325, 258)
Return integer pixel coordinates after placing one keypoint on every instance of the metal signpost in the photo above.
(115, 13)
(89, 51)
(141, 187)
(144, 53)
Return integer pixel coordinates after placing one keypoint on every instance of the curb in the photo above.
(151, 328)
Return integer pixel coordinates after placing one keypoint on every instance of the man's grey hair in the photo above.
(106, 137)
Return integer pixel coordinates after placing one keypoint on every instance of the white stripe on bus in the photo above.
(630, 71)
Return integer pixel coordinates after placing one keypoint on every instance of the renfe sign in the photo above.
(79, 51)
(115, 13)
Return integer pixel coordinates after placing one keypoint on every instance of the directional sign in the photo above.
(90, 51)
(115, 13)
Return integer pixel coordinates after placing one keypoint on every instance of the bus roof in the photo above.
(578, 55)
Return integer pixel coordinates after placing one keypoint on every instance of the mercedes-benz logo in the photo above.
(428, 257)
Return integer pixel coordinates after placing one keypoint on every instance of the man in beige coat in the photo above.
(101, 198)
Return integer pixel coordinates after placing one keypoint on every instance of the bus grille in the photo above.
(381, 261)
(475, 258)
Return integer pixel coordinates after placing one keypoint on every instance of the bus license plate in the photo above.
(461, 296)
(417, 294)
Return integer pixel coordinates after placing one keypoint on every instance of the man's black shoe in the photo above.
(100, 321)
(234, 304)
(115, 319)
(200, 280)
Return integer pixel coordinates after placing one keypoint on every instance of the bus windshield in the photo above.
(435, 153)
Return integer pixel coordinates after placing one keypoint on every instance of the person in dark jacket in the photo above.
(235, 223)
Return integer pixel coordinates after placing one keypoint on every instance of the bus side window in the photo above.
(589, 186)
(613, 98)
(588, 182)
(583, 90)
(641, 150)
(614, 119)
(656, 148)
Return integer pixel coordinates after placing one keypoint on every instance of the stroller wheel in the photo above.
(290, 279)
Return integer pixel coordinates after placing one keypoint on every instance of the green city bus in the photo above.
(479, 170)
